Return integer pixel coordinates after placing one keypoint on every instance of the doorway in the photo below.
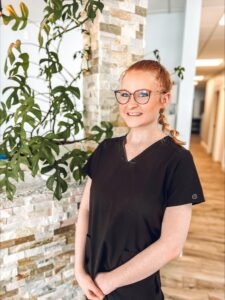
(214, 120)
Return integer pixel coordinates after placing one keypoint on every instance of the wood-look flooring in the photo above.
(199, 273)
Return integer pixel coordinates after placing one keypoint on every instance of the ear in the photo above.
(165, 98)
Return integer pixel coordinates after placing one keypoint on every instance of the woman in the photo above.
(137, 203)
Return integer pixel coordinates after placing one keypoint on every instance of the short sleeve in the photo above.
(183, 183)
(93, 161)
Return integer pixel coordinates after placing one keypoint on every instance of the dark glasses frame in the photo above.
(128, 98)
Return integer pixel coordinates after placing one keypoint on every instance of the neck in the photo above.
(138, 135)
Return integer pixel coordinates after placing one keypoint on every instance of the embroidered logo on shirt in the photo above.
(194, 196)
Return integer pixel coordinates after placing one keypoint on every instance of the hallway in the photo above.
(199, 273)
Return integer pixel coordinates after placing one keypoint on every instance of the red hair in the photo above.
(166, 84)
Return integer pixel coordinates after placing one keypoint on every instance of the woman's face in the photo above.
(147, 114)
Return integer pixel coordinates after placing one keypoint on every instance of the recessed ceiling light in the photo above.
(222, 21)
(208, 62)
(199, 77)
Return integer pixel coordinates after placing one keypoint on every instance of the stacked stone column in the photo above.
(116, 40)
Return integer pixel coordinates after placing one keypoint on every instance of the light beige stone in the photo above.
(121, 14)
(127, 6)
(8, 272)
(143, 3)
(6, 213)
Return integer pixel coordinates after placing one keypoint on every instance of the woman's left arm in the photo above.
(175, 226)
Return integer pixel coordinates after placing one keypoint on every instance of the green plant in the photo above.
(179, 70)
(39, 147)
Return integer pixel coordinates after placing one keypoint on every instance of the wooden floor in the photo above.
(199, 273)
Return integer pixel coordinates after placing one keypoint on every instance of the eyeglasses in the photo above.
(141, 96)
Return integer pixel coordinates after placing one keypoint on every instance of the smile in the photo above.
(134, 114)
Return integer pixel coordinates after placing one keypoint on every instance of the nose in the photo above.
(132, 101)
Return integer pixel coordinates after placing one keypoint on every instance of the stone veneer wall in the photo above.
(37, 243)
(116, 40)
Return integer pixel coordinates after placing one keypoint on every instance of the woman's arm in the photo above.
(89, 287)
(82, 228)
(175, 225)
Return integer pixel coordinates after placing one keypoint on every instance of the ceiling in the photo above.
(211, 40)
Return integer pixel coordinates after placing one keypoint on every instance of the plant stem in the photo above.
(35, 45)
(70, 142)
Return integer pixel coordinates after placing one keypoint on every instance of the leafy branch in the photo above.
(177, 70)
(33, 137)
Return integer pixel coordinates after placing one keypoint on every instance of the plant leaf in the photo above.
(50, 182)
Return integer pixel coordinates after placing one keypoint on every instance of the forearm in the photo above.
(143, 264)
(80, 238)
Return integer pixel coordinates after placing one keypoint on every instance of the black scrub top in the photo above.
(127, 204)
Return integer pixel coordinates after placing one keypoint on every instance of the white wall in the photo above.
(189, 56)
(169, 44)
(71, 43)
(176, 35)
(165, 32)
(213, 140)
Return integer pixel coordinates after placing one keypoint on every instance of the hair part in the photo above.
(166, 83)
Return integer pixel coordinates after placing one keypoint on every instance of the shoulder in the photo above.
(177, 153)
(111, 141)
(106, 144)
(181, 166)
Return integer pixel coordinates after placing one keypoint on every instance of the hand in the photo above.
(88, 286)
(104, 282)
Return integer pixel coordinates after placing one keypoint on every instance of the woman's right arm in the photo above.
(84, 279)
(82, 228)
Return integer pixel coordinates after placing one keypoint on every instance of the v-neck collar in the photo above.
(150, 147)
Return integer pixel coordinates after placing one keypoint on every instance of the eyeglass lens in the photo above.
(141, 96)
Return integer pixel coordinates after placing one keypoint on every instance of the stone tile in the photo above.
(7, 244)
(9, 294)
(64, 229)
(141, 11)
(110, 28)
(121, 14)
(8, 272)
(6, 213)
(13, 258)
(139, 35)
